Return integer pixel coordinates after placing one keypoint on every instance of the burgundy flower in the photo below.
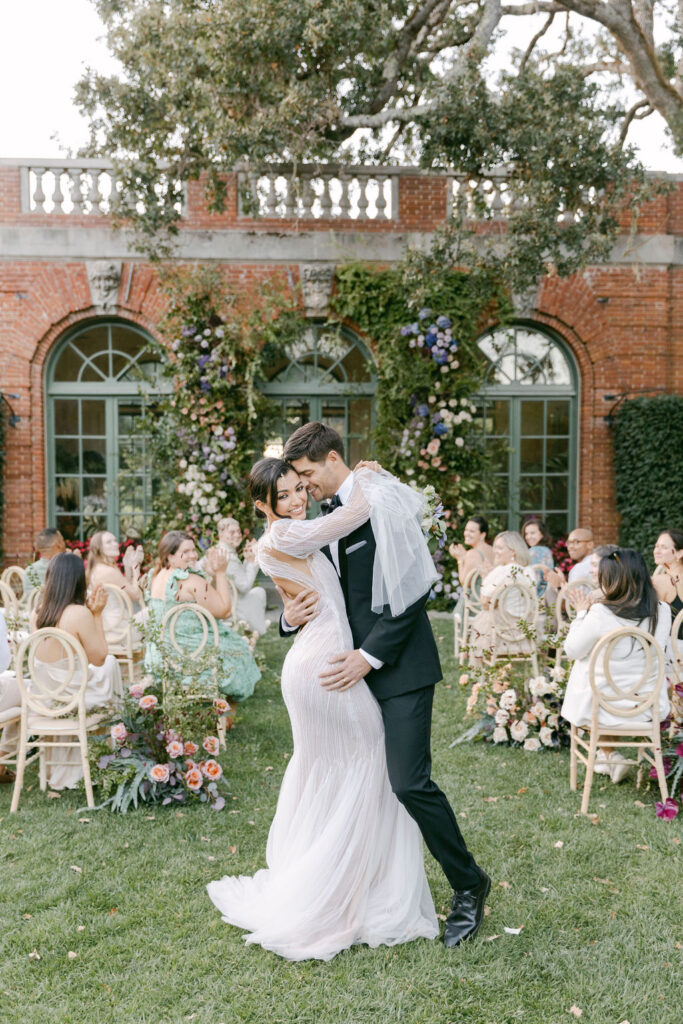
(667, 810)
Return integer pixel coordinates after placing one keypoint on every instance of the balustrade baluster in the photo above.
(344, 201)
(57, 194)
(307, 196)
(362, 196)
(75, 181)
(325, 198)
(38, 193)
(381, 203)
(94, 196)
(271, 197)
(290, 197)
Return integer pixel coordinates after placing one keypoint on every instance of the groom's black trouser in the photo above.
(407, 729)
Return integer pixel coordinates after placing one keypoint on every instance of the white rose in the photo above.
(539, 709)
(557, 672)
(501, 717)
(203, 502)
(508, 700)
(538, 686)
(533, 743)
(553, 721)
(460, 441)
(183, 463)
(546, 736)
(500, 734)
(519, 731)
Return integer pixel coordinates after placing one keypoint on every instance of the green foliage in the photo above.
(205, 433)
(421, 402)
(649, 485)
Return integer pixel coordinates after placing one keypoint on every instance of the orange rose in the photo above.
(193, 779)
(212, 770)
(159, 773)
(190, 748)
(211, 745)
(220, 706)
(148, 702)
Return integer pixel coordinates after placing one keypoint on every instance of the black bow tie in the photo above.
(330, 505)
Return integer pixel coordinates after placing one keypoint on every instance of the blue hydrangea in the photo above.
(424, 313)
(443, 322)
(423, 410)
(440, 429)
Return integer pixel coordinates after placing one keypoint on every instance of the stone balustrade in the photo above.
(334, 193)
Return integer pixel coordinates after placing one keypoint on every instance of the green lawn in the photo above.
(601, 914)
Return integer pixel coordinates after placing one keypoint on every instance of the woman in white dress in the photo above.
(64, 604)
(345, 860)
(629, 599)
(510, 565)
(251, 600)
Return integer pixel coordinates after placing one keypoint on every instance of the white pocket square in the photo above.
(354, 547)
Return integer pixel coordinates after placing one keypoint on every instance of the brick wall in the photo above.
(622, 321)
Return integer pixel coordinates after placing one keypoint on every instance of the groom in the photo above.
(397, 656)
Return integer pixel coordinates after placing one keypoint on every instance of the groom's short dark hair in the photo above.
(313, 441)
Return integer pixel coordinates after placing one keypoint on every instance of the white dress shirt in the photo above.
(582, 569)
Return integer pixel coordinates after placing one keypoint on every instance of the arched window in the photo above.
(327, 375)
(529, 424)
(98, 477)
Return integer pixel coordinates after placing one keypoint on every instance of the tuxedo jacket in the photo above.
(405, 642)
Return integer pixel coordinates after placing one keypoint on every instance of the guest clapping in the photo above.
(629, 600)
(480, 555)
(539, 542)
(102, 568)
(251, 600)
(668, 576)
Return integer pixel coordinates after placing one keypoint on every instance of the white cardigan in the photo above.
(626, 663)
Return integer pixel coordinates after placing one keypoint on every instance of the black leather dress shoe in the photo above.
(467, 913)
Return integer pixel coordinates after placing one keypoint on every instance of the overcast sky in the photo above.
(44, 47)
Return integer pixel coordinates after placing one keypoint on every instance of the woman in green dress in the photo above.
(175, 580)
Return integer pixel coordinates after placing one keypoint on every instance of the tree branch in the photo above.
(615, 67)
(477, 44)
(637, 112)
(539, 35)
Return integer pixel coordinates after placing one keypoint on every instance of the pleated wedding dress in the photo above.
(345, 860)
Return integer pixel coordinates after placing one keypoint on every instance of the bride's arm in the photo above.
(300, 537)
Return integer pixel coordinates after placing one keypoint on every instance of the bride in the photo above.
(345, 860)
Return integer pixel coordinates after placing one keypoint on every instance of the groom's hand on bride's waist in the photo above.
(345, 671)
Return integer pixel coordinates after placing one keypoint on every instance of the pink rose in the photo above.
(433, 446)
(136, 690)
(159, 773)
(212, 770)
(148, 702)
(220, 706)
(190, 748)
(193, 779)
(211, 745)
(119, 733)
(174, 749)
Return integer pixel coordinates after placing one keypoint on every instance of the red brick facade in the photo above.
(623, 321)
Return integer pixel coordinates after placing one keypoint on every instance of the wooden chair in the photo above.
(8, 601)
(609, 700)
(471, 590)
(15, 578)
(514, 618)
(119, 632)
(677, 646)
(209, 639)
(33, 600)
(53, 712)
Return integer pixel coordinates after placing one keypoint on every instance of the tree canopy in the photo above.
(206, 85)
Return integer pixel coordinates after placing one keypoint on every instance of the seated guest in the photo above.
(49, 543)
(511, 565)
(251, 600)
(174, 580)
(64, 604)
(580, 548)
(668, 576)
(629, 600)
(480, 555)
(539, 542)
(103, 554)
(10, 697)
(602, 551)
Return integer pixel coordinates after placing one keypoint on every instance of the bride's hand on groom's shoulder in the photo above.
(368, 464)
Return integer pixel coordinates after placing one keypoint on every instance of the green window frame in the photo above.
(98, 473)
(328, 374)
(529, 423)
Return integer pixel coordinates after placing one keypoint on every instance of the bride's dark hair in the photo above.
(263, 481)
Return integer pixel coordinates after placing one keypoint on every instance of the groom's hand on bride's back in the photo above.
(300, 609)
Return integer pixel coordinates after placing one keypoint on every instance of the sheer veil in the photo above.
(403, 570)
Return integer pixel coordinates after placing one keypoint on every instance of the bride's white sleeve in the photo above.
(300, 537)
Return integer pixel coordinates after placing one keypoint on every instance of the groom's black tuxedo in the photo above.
(404, 688)
(405, 643)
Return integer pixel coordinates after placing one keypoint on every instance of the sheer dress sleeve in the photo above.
(301, 537)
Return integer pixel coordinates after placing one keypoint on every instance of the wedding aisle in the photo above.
(106, 917)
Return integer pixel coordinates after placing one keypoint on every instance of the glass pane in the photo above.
(69, 527)
(131, 494)
(557, 523)
(497, 417)
(93, 523)
(334, 415)
(531, 455)
(67, 490)
(497, 492)
(129, 416)
(360, 421)
(93, 421)
(91, 374)
(557, 454)
(531, 493)
(94, 455)
(498, 454)
(296, 414)
(558, 416)
(558, 371)
(68, 364)
(358, 368)
(532, 418)
(126, 345)
(66, 455)
(92, 341)
(66, 416)
(131, 453)
(557, 492)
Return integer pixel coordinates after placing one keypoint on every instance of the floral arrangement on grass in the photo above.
(516, 711)
(158, 756)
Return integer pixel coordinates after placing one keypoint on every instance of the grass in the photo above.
(601, 915)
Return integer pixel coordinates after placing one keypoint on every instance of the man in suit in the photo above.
(398, 658)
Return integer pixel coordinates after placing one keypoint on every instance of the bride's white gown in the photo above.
(345, 860)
